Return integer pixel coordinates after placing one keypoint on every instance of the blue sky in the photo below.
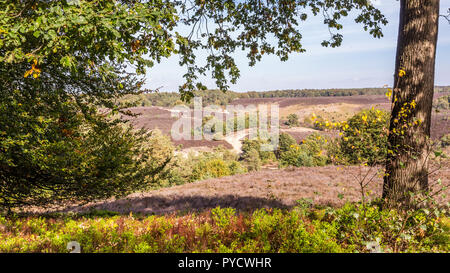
(361, 61)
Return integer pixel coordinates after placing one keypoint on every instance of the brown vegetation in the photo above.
(330, 185)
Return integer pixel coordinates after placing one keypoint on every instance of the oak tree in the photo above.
(408, 144)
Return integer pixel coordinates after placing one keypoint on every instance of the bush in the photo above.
(319, 123)
(255, 144)
(252, 160)
(296, 157)
(162, 159)
(292, 120)
(220, 162)
(210, 169)
(364, 138)
(286, 141)
(363, 226)
(311, 152)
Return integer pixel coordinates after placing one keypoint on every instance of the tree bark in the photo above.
(408, 142)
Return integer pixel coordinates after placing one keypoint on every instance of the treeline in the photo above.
(442, 89)
(218, 97)
(295, 93)
(170, 99)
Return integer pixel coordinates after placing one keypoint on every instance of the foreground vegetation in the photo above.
(352, 228)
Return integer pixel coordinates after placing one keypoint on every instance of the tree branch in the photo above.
(446, 17)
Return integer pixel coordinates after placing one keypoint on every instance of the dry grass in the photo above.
(330, 185)
(158, 118)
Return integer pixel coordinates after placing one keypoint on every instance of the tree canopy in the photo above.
(96, 37)
(62, 67)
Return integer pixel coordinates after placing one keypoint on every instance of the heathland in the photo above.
(310, 194)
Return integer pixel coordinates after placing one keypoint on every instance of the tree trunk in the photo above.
(409, 130)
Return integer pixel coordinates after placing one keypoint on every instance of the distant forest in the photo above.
(218, 97)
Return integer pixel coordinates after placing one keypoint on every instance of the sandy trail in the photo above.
(299, 130)
(235, 139)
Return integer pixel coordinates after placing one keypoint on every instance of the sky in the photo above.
(361, 61)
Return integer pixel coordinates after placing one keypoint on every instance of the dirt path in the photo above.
(235, 139)
(299, 130)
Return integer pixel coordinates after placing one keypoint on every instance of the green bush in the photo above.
(292, 120)
(364, 138)
(236, 167)
(255, 144)
(286, 141)
(296, 158)
(169, 169)
(209, 169)
(423, 230)
(252, 160)
(311, 152)
(220, 162)
(319, 123)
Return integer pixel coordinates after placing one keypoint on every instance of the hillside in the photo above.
(333, 108)
(329, 185)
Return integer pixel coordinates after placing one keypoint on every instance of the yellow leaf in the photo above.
(28, 73)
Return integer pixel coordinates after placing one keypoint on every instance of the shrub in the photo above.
(296, 157)
(161, 156)
(210, 169)
(286, 141)
(255, 144)
(292, 120)
(364, 137)
(319, 123)
(220, 162)
(311, 152)
(392, 230)
(179, 169)
(252, 160)
(236, 167)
